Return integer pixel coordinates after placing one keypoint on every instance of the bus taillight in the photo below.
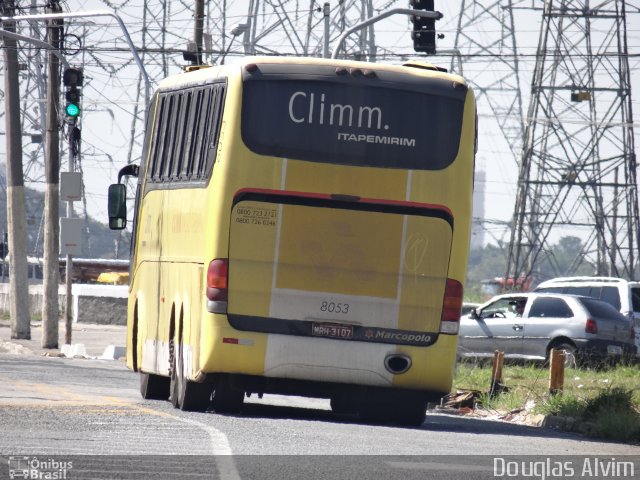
(451, 306)
(217, 275)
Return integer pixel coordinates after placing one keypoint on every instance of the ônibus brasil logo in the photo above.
(38, 468)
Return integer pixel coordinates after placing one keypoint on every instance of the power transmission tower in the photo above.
(498, 85)
(578, 170)
(295, 28)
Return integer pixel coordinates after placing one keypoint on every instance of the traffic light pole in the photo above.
(68, 314)
(377, 18)
(73, 81)
(68, 317)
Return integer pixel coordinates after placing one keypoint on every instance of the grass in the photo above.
(604, 403)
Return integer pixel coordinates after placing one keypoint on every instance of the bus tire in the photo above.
(408, 411)
(343, 405)
(226, 399)
(196, 396)
(154, 387)
(187, 395)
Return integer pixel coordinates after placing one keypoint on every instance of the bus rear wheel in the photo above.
(226, 399)
(185, 394)
(404, 410)
(154, 387)
(343, 405)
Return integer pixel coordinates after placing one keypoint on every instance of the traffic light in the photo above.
(424, 29)
(72, 80)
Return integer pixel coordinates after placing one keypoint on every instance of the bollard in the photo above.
(496, 374)
(556, 371)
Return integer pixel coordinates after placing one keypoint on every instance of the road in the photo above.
(90, 412)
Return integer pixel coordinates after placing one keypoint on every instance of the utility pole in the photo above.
(326, 14)
(198, 30)
(52, 195)
(17, 235)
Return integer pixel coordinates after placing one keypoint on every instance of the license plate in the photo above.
(614, 350)
(332, 330)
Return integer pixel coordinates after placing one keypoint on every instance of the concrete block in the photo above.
(74, 350)
(101, 304)
(113, 352)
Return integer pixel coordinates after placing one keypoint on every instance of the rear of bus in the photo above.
(347, 193)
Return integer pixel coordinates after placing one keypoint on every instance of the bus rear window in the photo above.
(353, 124)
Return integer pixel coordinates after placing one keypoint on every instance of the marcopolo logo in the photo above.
(396, 336)
(38, 468)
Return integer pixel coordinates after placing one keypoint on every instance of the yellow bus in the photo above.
(301, 226)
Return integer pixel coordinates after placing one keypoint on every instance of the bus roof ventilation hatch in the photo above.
(424, 66)
(193, 68)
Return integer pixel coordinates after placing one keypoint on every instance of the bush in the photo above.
(611, 400)
(609, 414)
(604, 404)
(562, 405)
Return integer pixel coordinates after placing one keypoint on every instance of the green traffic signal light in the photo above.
(72, 110)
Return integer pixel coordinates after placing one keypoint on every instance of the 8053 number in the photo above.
(334, 307)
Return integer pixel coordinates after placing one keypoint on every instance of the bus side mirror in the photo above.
(117, 206)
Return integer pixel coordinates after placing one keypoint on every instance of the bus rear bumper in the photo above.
(252, 384)
(327, 361)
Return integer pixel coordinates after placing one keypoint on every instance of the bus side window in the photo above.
(216, 122)
(156, 148)
(181, 126)
(172, 140)
(192, 153)
(202, 134)
(165, 141)
(188, 138)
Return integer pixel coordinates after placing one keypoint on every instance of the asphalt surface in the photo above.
(88, 412)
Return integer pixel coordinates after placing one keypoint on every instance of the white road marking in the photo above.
(220, 448)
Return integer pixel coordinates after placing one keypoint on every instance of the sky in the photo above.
(111, 90)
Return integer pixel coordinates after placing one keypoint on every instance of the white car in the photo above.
(528, 325)
(622, 294)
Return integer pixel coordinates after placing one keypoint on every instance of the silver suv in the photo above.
(528, 325)
(622, 294)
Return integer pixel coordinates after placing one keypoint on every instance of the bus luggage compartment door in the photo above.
(324, 267)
